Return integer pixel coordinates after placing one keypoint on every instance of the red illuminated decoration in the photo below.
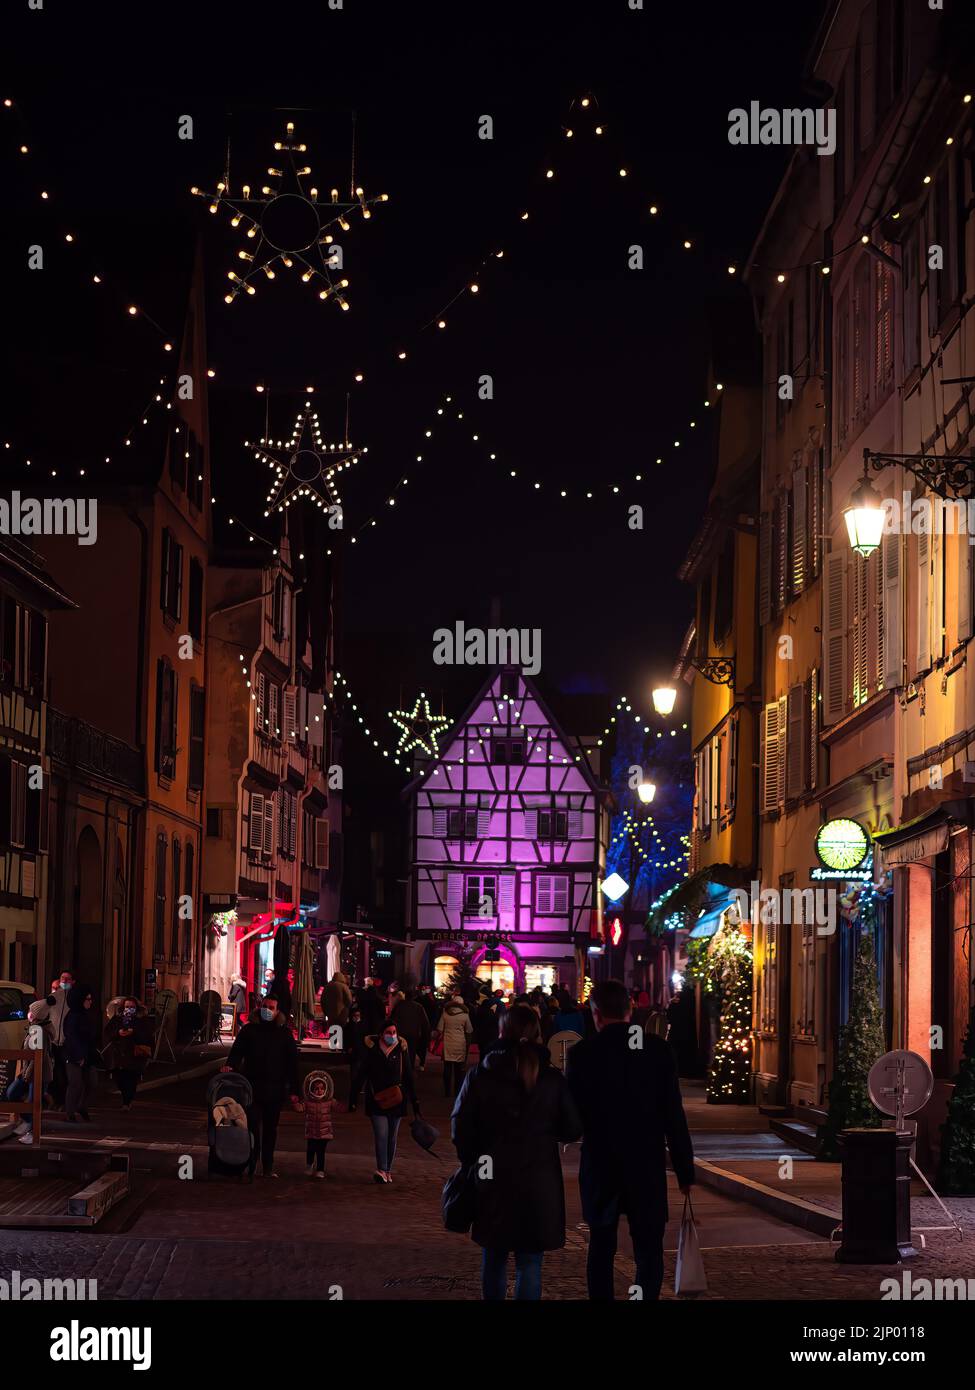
(616, 931)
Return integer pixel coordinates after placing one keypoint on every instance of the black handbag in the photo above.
(457, 1202)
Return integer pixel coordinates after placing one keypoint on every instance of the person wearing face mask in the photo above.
(266, 1053)
(387, 1076)
(129, 1047)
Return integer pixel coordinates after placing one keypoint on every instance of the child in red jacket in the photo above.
(319, 1098)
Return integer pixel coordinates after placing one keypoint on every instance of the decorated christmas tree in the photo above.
(956, 1170)
(861, 1042)
(729, 974)
(459, 981)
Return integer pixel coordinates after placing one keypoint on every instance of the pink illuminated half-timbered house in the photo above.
(508, 841)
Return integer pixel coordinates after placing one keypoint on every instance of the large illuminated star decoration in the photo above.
(420, 729)
(304, 465)
(288, 225)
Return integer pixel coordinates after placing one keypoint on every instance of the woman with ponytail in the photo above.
(512, 1113)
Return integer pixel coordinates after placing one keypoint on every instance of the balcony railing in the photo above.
(83, 748)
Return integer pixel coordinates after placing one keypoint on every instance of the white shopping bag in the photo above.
(689, 1276)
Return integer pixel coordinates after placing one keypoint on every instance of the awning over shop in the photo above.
(921, 837)
(699, 891)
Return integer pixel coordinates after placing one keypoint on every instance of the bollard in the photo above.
(876, 1197)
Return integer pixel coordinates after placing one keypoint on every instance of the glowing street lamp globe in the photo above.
(864, 517)
(664, 699)
(646, 791)
(614, 887)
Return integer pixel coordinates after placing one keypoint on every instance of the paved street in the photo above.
(293, 1237)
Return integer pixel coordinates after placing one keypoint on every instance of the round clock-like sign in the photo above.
(842, 844)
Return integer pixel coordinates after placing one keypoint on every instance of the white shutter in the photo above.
(835, 638)
(815, 513)
(812, 728)
(770, 756)
(454, 889)
(321, 842)
(293, 827)
(783, 722)
(506, 892)
(269, 825)
(255, 827)
(861, 625)
(560, 894)
(543, 893)
(291, 715)
(923, 614)
(440, 821)
(575, 824)
(483, 822)
(706, 787)
(795, 720)
(531, 825)
(964, 549)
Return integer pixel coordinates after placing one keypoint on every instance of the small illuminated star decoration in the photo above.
(288, 225)
(304, 465)
(420, 729)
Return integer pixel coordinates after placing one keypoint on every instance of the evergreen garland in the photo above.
(729, 975)
(861, 1042)
(956, 1169)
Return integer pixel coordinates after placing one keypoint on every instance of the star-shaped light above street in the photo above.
(288, 225)
(304, 465)
(419, 728)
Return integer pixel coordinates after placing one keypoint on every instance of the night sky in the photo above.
(596, 367)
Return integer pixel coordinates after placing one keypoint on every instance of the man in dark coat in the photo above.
(266, 1053)
(413, 1026)
(512, 1113)
(625, 1085)
(372, 1007)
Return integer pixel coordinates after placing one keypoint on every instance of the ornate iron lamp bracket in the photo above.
(947, 477)
(720, 670)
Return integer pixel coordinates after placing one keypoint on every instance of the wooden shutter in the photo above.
(321, 842)
(764, 568)
(506, 892)
(291, 715)
(483, 822)
(815, 551)
(770, 757)
(197, 724)
(937, 594)
(706, 788)
(795, 743)
(861, 630)
(812, 730)
(560, 894)
(892, 615)
(440, 821)
(301, 714)
(781, 542)
(274, 720)
(574, 820)
(262, 719)
(18, 803)
(316, 718)
(268, 845)
(963, 550)
(531, 825)
(800, 526)
(293, 826)
(923, 611)
(454, 889)
(835, 638)
(255, 828)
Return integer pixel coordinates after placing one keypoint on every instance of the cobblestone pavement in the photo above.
(293, 1237)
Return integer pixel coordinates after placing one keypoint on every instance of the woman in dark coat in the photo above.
(386, 1072)
(129, 1035)
(512, 1113)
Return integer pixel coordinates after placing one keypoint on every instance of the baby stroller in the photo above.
(231, 1142)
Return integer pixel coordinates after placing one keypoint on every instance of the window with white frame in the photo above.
(480, 895)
